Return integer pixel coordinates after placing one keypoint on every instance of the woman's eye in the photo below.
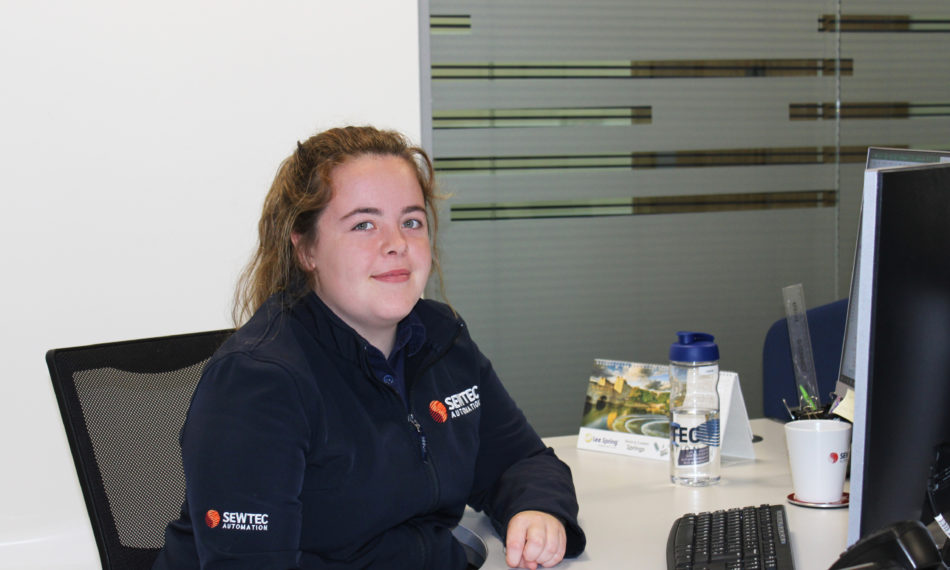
(413, 224)
(363, 226)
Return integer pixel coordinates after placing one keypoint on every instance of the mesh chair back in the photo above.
(123, 405)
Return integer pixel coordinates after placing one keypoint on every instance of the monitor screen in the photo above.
(878, 157)
(902, 345)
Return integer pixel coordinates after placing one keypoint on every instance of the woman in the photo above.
(348, 422)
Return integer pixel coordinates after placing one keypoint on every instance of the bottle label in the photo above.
(692, 456)
(692, 436)
(711, 370)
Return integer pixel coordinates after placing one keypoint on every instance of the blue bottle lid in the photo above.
(694, 347)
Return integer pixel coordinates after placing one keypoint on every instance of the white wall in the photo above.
(136, 144)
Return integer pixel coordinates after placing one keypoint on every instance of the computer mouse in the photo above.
(905, 544)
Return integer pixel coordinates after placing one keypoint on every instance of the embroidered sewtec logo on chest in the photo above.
(456, 405)
(227, 520)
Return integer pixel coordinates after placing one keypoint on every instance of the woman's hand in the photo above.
(534, 539)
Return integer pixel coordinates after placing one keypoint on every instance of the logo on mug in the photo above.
(836, 457)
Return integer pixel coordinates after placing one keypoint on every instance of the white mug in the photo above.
(818, 453)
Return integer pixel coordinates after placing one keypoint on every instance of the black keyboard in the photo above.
(741, 538)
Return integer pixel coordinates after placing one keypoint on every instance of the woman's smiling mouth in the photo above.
(396, 276)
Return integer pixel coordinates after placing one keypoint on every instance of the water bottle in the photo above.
(694, 410)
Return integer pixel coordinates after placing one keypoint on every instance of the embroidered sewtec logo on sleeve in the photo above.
(229, 520)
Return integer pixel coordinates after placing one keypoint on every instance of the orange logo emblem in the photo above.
(212, 518)
(438, 412)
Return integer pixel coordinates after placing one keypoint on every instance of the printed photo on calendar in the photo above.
(628, 397)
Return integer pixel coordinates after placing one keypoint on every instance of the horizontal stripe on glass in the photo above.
(641, 69)
(643, 206)
(649, 160)
(450, 24)
(888, 23)
(540, 117)
(884, 110)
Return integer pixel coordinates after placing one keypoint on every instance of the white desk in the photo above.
(628, 506)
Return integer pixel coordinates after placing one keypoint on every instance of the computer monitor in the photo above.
(878, 157)
(902, 345)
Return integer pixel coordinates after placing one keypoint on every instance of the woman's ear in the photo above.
(302, 252)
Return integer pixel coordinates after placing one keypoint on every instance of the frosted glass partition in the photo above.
(620, 170)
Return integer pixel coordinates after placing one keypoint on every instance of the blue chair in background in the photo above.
(826, 329)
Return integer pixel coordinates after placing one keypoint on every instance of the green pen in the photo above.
(808, 399)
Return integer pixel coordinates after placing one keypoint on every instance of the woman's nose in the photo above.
(395, 242)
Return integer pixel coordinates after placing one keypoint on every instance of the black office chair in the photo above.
(826, 330)
(123, 406)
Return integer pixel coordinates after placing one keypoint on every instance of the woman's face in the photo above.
(372, 255)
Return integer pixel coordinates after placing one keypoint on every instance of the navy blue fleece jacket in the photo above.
(296, 456)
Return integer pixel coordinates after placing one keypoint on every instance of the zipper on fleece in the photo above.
(437, 353)
(423, 442)
(420, 543)
(429, 466)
